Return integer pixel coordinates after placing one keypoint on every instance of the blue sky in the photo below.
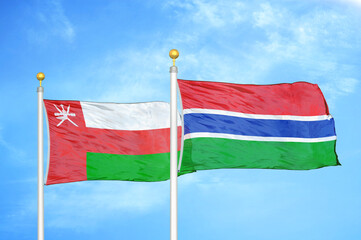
(118, 51)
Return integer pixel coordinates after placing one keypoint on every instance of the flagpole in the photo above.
(173, 148)
(40, 76)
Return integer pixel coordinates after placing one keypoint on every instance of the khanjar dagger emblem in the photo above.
(64, 115)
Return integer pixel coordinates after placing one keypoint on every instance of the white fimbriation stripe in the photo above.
(256, 138)
(134, 116)
(257, 116)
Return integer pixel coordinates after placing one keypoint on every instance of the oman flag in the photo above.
(108, 141)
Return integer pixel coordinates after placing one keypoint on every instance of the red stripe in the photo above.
(69, 144)
(300, 98)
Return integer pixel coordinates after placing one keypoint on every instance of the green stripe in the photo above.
(142, 168)
(215, 153)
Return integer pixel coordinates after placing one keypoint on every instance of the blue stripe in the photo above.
(214, 123)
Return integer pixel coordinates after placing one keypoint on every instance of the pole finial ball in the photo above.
(173, 53)
(40, 76)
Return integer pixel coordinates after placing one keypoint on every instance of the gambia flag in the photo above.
(108, 141)
(281, 126)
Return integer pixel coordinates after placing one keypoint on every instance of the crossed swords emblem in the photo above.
(64, 115)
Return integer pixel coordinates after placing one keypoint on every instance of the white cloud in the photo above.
(348, 85)
(267, 16)
(313, 44)
(53, 22)
(353, 2)
(211, 13)
(335, 88)
(13, 151)
(83, 205)
(136, 75)
(290, 38)
(214, 46)
(133, 75)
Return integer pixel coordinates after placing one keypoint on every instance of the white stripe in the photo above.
(256, 138)
(134, 116)
(257, 116)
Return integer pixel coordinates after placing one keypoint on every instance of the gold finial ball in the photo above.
(40, 76)
(173, 53)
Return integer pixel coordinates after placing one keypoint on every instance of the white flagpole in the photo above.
(173, 148)
(40, 76)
